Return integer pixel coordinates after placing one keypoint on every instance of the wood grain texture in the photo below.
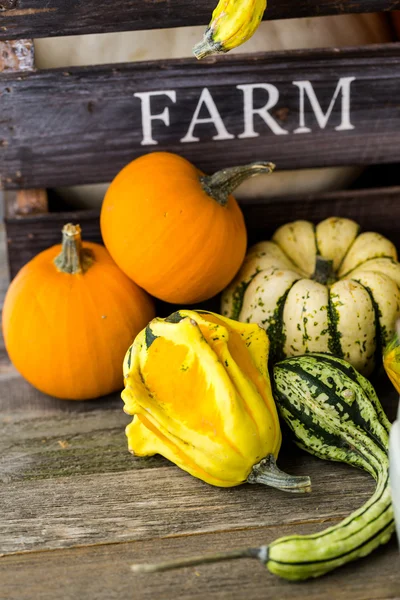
(371, 208)
(92, 126)
(165, 501)
(102, 572)
(48, 18)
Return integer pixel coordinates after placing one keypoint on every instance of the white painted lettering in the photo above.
(306, 87)
(215, 118)
(250, 111)
(147, 117)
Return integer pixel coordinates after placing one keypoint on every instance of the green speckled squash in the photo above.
(324, 288)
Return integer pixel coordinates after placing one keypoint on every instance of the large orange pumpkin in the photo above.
(68, 318)
(178, 234)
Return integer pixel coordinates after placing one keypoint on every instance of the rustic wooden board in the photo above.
(82, 125)
(153, 503)
(48, 18)
(102, 572)
(376, 209)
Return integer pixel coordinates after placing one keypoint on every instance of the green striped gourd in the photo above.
(324, 288)
(335, 414)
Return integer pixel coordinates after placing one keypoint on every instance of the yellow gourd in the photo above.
(391, 360)
(198, 387)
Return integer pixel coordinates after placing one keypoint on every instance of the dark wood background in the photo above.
(47, 18)
(375, 209)
(82, 125)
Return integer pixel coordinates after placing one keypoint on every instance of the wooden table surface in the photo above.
(76, 509)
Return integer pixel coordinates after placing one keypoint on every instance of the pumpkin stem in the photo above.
(73, 258)
(220, 185)
(268, 473)
(324, 272)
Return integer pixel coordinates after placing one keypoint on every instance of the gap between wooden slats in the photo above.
(48, 18)
(376, 209)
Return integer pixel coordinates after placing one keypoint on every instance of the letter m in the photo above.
(342, 89)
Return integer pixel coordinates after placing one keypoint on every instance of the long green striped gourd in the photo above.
(335, 414)
(324, 288)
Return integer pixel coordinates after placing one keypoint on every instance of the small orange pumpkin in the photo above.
(69, 316)
(177, 233)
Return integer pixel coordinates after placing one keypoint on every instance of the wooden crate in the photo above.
(67, 483)
(81, 125)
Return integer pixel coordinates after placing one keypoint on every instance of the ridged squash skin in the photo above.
(325, 288)
(198, 388)
(67, 333)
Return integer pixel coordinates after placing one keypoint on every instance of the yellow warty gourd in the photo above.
(198, 387)
(233, 22)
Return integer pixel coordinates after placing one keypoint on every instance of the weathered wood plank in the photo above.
(97, 120)
(70, 440)
(376, 209)
(102, 572)
(48, 18)
(165, 501)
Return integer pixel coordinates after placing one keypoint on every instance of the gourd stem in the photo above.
(220, 185)
(207, 46)
(199, 560)
(267, 473)
(324, 272)
(73, 258)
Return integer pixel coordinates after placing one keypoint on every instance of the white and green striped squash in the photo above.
(325, 288)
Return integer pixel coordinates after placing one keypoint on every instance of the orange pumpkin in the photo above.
(178, 234)
(68, 318)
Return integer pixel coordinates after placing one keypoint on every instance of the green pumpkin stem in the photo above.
(324, 272)
(73, 258)
(267, 473)
(220, 185)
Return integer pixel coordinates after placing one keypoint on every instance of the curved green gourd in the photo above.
(334, 414)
